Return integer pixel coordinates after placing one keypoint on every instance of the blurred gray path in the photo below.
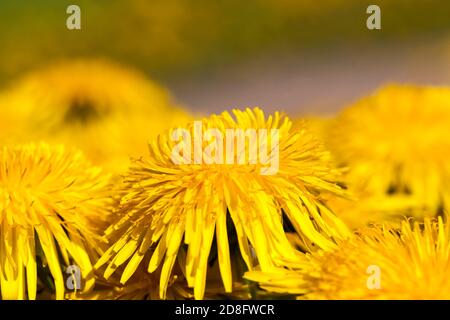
(316, 83)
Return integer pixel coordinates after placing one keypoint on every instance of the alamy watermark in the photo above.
(374, 279)
(374, 20)
(73, 281)
(236, 147)
(73, 22)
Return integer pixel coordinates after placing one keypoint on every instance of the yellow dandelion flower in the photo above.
(53, 204)
(104, 109)
(381, 262)
(394, 142)
(145, 286)
(141, 286)
(172, 210)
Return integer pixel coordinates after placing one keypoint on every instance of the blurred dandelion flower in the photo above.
(364, 209)
(317, 125)
(53, 205)
(106, 110)
(395, 143)
(381, 262)
(175, 209)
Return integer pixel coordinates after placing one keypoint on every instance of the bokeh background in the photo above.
(298, 56)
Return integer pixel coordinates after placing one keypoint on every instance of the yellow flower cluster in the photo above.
(328, 223)
(381, 262)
